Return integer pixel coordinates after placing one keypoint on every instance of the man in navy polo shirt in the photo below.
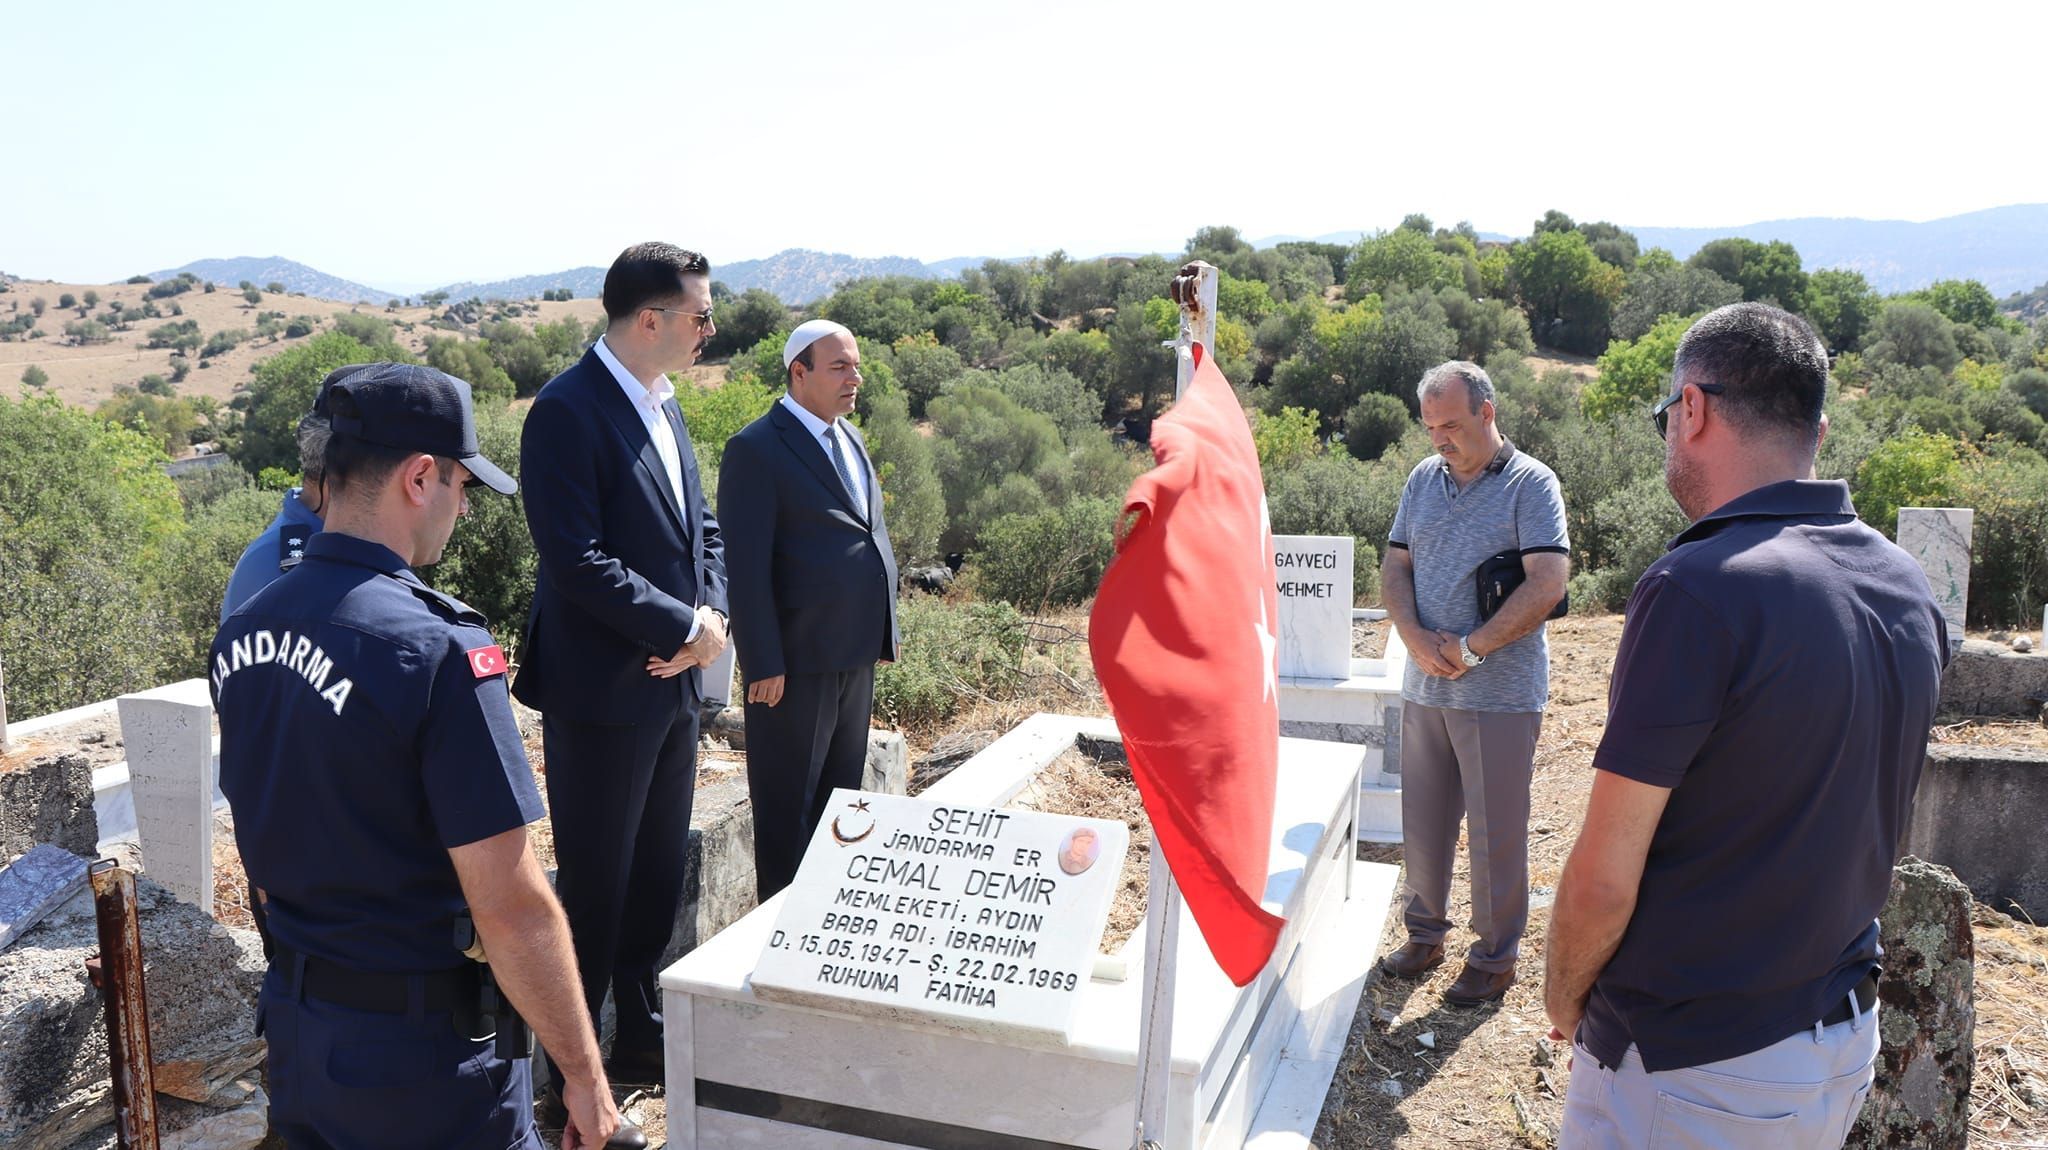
(1713, 952)
(380, 793)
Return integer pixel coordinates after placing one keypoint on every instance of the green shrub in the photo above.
(1047, 558)
(282, 393)
(1375, 423)
(1914, 468)
(713, 415)
(35, 376)
(2008, 487)
(1335, 494)
(489, 563)
(1285, 437)
(951, 654)
(204, 556)
(912, 503)
(86, 516)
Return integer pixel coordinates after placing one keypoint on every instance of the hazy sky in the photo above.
(407, 145)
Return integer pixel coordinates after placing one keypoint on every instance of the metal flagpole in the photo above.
(1194, 289)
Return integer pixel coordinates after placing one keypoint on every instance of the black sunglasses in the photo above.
(703, 318)
(1660, 414)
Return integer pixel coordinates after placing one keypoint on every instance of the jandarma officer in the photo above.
(380, 794)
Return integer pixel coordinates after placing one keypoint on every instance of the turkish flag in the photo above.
(486, 661)
(1182, 638)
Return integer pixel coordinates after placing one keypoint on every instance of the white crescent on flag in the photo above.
(487, 661)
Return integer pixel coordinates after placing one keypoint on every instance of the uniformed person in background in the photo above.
(381, 796)
(283, 544)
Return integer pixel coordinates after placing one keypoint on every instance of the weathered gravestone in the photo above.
(1928, 1020)
(979, 918)
(1314, 573)
(48, 800)
(169, 733)
(201, 979)
(1939, 537)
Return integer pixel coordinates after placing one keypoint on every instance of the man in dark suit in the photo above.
(814, 593)
(630, 601)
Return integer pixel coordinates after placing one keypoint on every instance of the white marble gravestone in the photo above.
(1939, 537)
(970, 917)
(1314, 573)
(169, 735)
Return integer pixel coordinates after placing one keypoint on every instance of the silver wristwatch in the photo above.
(1465, 652)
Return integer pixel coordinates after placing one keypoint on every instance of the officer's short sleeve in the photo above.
(474, 769)
(1662, 707)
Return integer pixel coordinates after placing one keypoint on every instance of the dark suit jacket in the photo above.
(813, 579)
(622, 567)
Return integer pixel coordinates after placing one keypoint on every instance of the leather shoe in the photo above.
(1476, 987)
(1413, 960)
(637, 1067)
(552, 1114)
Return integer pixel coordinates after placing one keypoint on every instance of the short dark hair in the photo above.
(646, 273)
(1772, 365)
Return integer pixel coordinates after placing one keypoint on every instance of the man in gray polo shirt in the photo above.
(1472, 702)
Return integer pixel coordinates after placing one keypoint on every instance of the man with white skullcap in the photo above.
(813, 589)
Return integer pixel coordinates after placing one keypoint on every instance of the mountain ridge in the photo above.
(2005, 248)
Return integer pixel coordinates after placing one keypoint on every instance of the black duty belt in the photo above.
(1865, 993)
(383, 993)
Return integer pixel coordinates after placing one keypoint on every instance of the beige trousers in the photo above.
(1799, 1094)
(1474, 765)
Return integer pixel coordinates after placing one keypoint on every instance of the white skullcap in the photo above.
(807, 333)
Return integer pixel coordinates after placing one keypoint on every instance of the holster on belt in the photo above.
(495, 1013)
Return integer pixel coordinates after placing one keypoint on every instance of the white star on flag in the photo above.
(1268, 650)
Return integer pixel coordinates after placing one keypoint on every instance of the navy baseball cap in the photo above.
(412, 408)
(334, 377)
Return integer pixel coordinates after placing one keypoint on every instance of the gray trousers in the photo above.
(1799, 1094)
(1475, 764)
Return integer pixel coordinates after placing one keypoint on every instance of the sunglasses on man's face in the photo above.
(703, 318)
(1661, 414)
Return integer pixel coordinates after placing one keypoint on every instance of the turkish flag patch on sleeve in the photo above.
(487, 661)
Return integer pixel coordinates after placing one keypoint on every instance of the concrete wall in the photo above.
(1989, 680)
(1979, 812)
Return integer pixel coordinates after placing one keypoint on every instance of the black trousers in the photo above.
(619, 800)
(815, 739)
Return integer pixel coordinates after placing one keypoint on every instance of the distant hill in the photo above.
(295, 276)
(2004, 248)
(796, 276)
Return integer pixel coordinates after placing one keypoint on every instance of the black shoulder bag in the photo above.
(1498, 578)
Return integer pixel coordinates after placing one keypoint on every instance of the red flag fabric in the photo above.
(1182, 636)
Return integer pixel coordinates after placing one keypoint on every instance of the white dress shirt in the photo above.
(850, 455)
(647, 401)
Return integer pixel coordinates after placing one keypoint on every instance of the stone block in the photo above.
(1978, 813)
(1921, 1099)
(48, 800)
(36, 884)
(169, 733)
(1988, 681)
(201, 978)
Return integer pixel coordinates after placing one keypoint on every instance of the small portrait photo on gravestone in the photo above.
(1079, 850)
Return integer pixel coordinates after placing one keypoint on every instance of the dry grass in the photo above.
(1993, 733)
(1075, 784)
(85, 376)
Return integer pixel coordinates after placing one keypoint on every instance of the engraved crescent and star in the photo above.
(839, 834)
